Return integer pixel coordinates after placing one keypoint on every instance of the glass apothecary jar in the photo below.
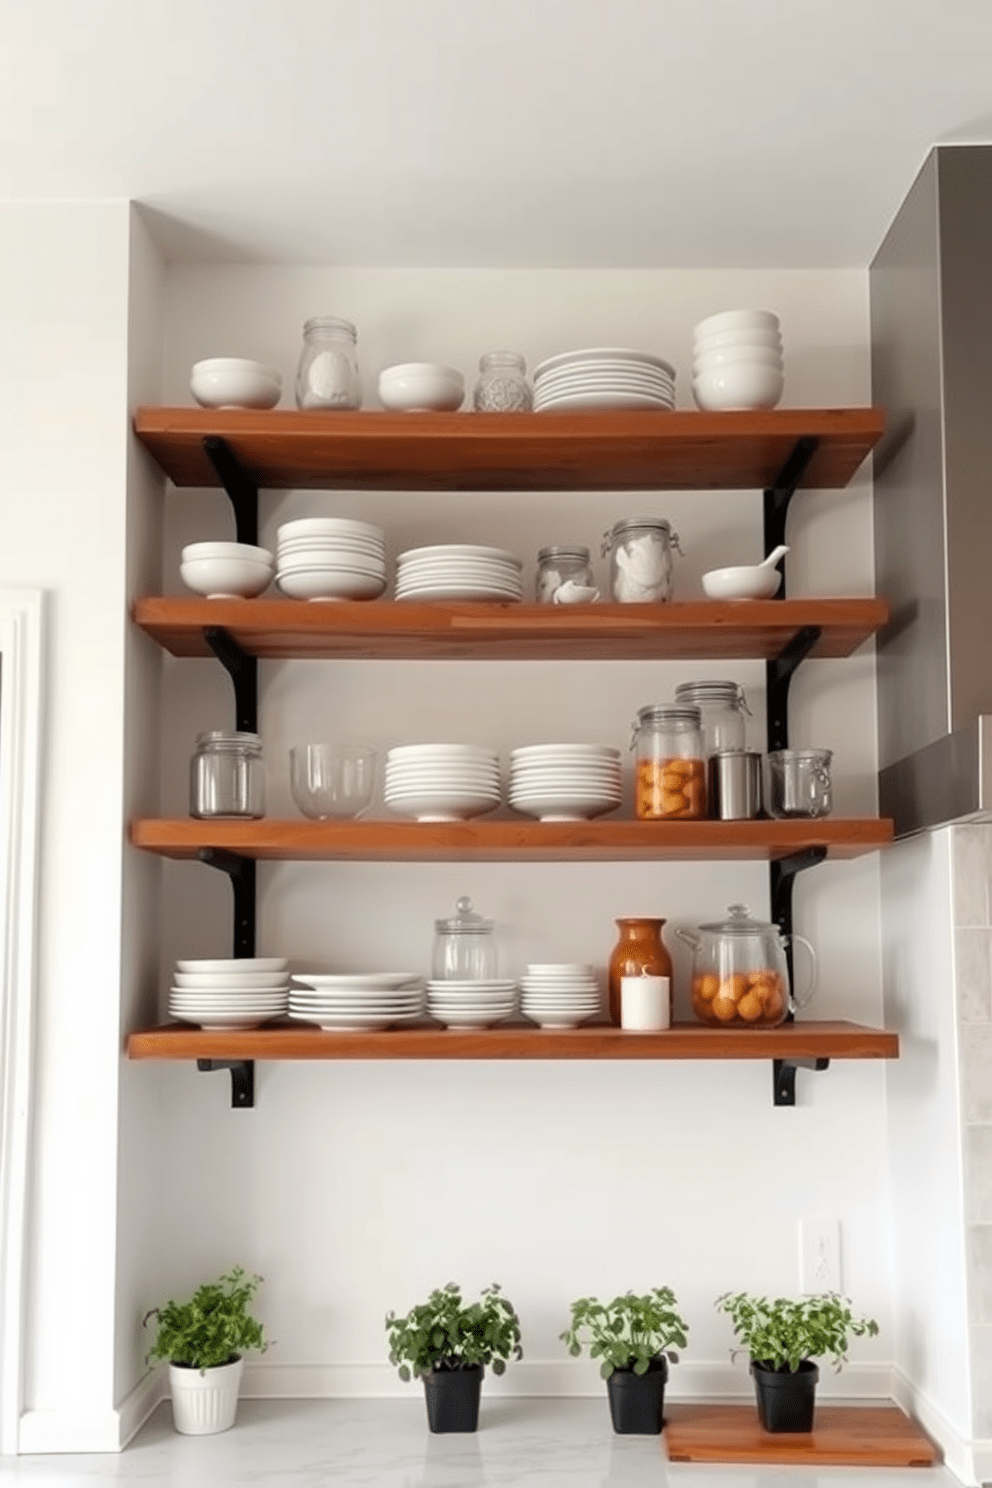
(227, 776)
(640, 552)
(502, 386)
(328, 376)
(464, 946)
(723, 708)
(670, 775)
(559, 564)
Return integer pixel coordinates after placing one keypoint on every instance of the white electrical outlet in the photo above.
(819, 1255)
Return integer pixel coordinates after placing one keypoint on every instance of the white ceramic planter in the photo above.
(207, 1401)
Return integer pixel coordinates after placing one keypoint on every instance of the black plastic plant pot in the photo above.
(452, 1397)
(637, 1400)
(786, 1401)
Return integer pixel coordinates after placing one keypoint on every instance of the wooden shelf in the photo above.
(757, 630)
(503, 841)
(842, 1436)
(643, 451)
(802, 1040)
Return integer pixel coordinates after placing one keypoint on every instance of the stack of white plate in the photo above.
(565, 782)
(475, 1004)
(230, 992)
(441, 782)
(607, 377)
(737, 360)
(458, 571)
(330, 558)
(357, 1002)
(559, 994)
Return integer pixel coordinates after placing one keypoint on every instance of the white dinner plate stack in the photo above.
(231, 992)
(471, 1004)
(604, 377)
(357, 1002)
(565, 782)
(441, 782)
(559, 994)
(458, 571)
(330, 558)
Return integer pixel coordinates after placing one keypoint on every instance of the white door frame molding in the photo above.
(21, 656)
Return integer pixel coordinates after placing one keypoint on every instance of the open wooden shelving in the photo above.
(641, 451)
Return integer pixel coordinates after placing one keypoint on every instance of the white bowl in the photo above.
(226, 578)
(745, 386)
(329, 527)
(242, 981)
(329, 583)
(226, 550)
(421, 387)
(235, 382)
(732, 356)
(756, 337)
(737, 320)
(329, 783)
(233, 963)
(743, 582)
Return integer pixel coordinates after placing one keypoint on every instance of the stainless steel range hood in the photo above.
(931, 322)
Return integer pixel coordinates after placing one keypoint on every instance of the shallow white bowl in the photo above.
(212, 981)
(328, 583)
(742, 582)
(235, 382)
(737, 320)
(247, 551)
(421, 387)
(745, 386)
(329, 527)
(719, 339)
(233, 963)
(226, 578)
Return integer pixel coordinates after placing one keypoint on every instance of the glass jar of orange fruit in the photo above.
(670, 775)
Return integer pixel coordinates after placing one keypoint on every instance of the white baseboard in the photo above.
(52, 1431)
(960, 1453)
(136, 1407)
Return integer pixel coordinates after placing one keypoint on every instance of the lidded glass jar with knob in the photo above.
(464, 946)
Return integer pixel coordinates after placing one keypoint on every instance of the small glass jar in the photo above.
(502, 386)
(464, 946)
(327, 376)
(559, 564)
(723, 707)
(227, 776)
(670, 778)
(640, 551)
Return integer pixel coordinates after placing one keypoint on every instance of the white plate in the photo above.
(467, 1021)
(444, 770)
(324, 584)
(321, 526)
(358, 1023)
(564, 775)
(235, 963)
(538, 751)
(596, 381)
(615, 402)
(620, 354)
(559, 968)
(471, 984)
(380, 979)
(553, 809)
(458, 592)
(451, 751)
(303, 563)
(206, 981)
(214, 1022)
(461, 550)
(551, 1020)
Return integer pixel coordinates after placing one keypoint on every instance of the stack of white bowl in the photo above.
(357, 1002)
(226, 570)
(441, 782)
(458, 571)
(230, 992)
(471, 1004)
(565, 782)
(330, 558)
(737, 360)
(559, 994)
(604, 377)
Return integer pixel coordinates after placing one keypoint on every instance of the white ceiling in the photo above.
(518, 133)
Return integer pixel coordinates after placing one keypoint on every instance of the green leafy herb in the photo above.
(445, 1334)
(628, 1332)
(782, 1333)
(213, 1327)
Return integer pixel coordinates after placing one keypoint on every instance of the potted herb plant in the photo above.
(783, 1338)
(204, 1341)
(448, 1343)
(633, 1337)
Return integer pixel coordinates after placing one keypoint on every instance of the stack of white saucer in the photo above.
(559, 994)
(458, 571)
(565, 782)
(359, 1002)
(737, 360)
(441, 782)
(604, 377)
(230, 992)
(471, 1004)
(330, 558)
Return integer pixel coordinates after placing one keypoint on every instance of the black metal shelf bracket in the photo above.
(242, 1079)
(782, 875)
(779, 673)
(784, 1072)
(241, 872)
(778, 497)
(243, 672)
(241, 489)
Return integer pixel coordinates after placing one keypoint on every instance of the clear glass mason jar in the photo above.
(723, 707)
(556, 565)
(502, 386)
(670, 777)
(327, 376)
(227, 775)
(640, 551)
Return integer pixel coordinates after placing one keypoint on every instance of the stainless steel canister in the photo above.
(735, 784)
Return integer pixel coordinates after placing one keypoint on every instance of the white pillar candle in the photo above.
(644, 1003)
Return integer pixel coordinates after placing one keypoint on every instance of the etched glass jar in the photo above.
(227, 776)
(327, 376)
(670, 777)
(640, 551)
(558, 564)
(723, 708)
(502, 386)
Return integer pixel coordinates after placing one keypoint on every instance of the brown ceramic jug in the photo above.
(639, 951)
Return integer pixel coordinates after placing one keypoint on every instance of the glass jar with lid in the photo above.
(640, 552)
(740, 973)
(464, 946)
(226, 776)
(670, 776)
(327, 376)
(557, 564)
(723, 707)
(502, 386)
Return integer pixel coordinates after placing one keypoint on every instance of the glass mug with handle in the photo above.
(799, 783)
